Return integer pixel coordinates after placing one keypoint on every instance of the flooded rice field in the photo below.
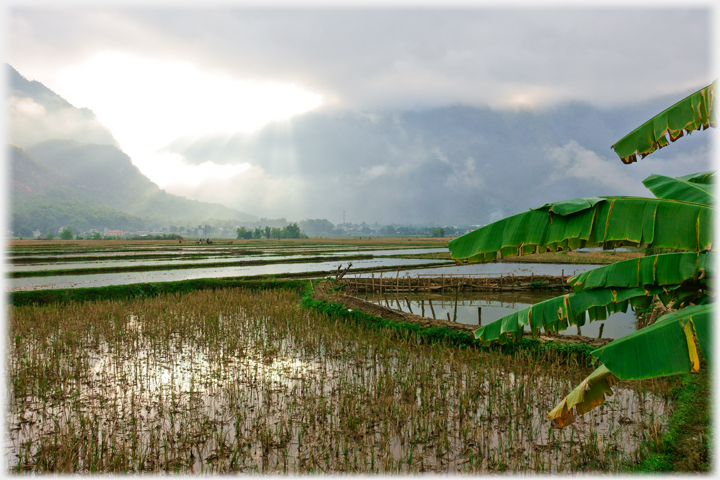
(126, 278)
(232, 381)
(42, 263)
(490, 306)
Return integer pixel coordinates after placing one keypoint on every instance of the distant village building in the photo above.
(114, 233)
(36, 233)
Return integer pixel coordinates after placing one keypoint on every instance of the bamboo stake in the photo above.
(422, 306)
(457, 293)
(479, 315)
(432, 309)
(408, 304)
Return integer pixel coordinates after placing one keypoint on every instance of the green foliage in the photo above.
(438, 232)
(66, 234)
(121, 292)
(593, 221)
(691, 113)
(685, 445)
(243, 233)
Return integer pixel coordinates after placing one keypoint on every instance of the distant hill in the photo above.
(66, 168)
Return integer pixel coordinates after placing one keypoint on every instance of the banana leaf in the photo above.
(689, 114)
(665, 348)
(586, 396)
(559, 313)
(678, 189)
(591, 221)
(704, 178)
(661, 270)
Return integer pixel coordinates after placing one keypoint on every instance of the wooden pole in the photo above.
(408, 304)
(457, 293)
(448, 315)
(373, 283)
(479, 315)
(381, 283)
(432, 309)
(422, 306)
(387, 302)
(397, 281)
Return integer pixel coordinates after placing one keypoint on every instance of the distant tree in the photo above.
(388, 230)
(66, 234)
(268, 232)
(96, 236)
(257, 233)
(244, 233)
(50, 236)
(291, 231)
(438, 232)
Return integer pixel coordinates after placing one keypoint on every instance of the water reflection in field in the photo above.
(493, 306)
(103, 280)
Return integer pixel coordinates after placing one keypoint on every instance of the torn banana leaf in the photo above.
(691, 113)
(677, 189)
(664, 348)
(660, 270)
(586, 396)
(559, 313)
(591, 221)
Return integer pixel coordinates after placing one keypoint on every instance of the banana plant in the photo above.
(679, 219)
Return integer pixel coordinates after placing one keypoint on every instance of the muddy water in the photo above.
(267, 387)
(495, 305)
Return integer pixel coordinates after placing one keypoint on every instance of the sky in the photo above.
(162, 77)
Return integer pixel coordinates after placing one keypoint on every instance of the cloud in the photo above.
(31, 123)
(392, 58)
(251, 190)
(572, 161)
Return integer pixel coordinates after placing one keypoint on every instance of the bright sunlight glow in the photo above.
(146, 104)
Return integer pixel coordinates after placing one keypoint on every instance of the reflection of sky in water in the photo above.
(209, 259)
(103, 280)
(496, 305)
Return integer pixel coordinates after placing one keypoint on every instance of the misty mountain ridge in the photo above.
(444, 165)
(50, 175)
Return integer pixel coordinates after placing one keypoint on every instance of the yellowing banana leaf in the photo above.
(704, 178)
(678, 189)
(664, 348)
(689, 114)
(586, 396)
(559, 313)
(661, 270)
(585, 222)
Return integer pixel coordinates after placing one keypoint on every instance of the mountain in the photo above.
(453, 164)
(37, 114)
(67, 169)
